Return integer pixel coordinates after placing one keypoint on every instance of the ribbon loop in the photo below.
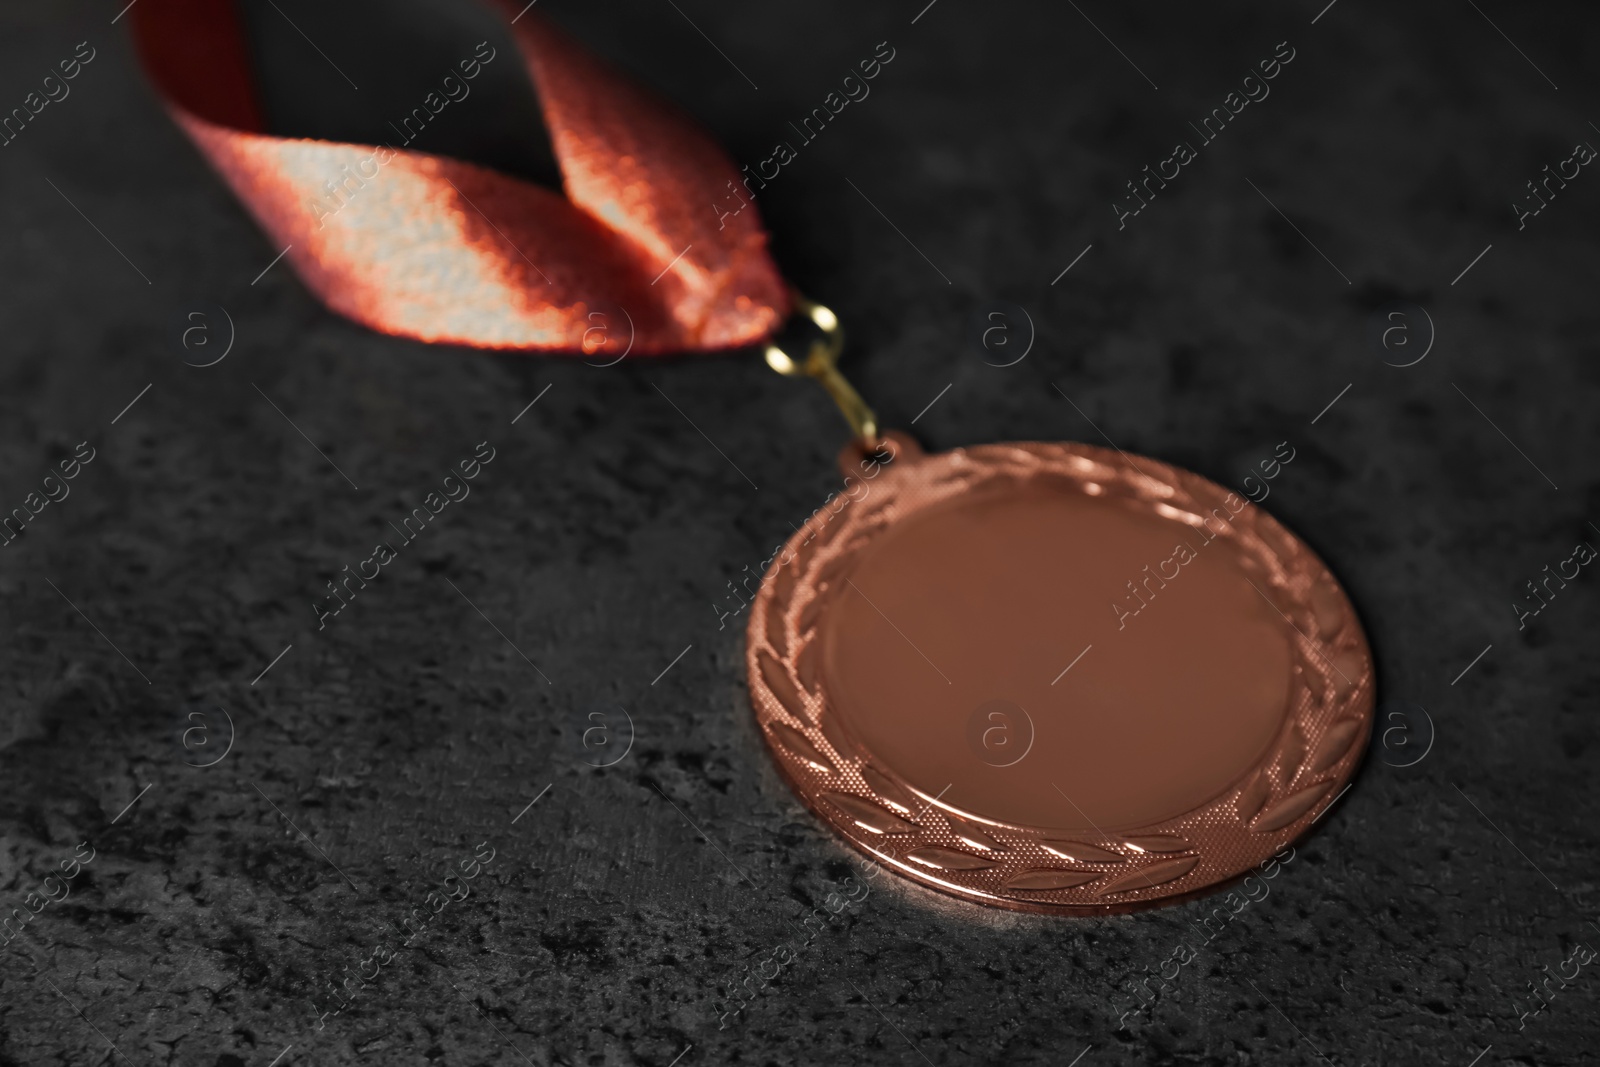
(438, 249)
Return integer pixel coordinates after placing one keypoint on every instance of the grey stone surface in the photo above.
(620, 909)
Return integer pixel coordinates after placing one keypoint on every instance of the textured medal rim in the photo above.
(1316, 751)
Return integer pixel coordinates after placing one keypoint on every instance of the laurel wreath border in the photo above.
(1317, 748)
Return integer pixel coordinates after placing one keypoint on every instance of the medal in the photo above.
(1041, 676)
(1051, 676)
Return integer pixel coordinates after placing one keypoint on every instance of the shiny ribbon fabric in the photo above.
(441, 250)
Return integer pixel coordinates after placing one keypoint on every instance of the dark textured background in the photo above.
(608, 928)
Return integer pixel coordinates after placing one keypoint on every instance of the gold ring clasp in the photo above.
(820, 362)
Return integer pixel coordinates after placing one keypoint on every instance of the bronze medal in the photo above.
(1055, 677)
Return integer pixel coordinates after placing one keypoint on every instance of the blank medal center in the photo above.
(953, 638)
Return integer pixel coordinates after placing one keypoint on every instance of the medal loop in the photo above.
(821, 362)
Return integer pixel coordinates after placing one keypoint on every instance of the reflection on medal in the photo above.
(1055, 677)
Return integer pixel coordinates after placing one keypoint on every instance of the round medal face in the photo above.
(1053, 677)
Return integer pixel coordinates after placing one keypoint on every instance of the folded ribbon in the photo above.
(446, 251)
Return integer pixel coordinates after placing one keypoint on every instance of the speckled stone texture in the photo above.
(621, 911)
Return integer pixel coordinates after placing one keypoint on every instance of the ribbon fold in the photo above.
(441, 250)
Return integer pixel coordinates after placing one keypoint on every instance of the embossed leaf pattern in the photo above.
(1050, 878)
(1283, 812)
(1158, 843)
(777, 637)
(805, 665)
(1326, 608)
(1277, 539)
(810, 613)
(1335, 743)
(1253, 797)
(836, 572)
(1294, 750)
(783, 582)
(1347, 667)
(1149, 488)
(798, 559)
(829, 722)
(818, 541)
(949, 859)
(777, 680)
(886, 789)
(1154, 874)
(870, 816)
(1082, 853)
(972, 834)
(796, 742)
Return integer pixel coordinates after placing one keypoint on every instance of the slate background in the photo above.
(602, 535)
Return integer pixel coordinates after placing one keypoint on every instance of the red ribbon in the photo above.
(442, 250)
